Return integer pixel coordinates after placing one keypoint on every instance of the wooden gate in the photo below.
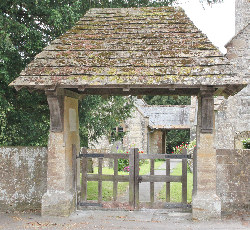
(134, 178)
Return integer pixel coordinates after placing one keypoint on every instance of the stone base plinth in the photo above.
(206, 206)
(58, 203)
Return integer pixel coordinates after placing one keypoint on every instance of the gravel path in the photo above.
(121, 220)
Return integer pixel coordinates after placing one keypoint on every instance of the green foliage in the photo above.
(25, 28)
(99, 116)
(246, 143)
(176, 138)
(122, 163)
(167, 100)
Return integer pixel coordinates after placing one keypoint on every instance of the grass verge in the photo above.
(175, 187)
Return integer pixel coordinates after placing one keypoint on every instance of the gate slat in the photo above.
(104, 177)
(100, 181)
(163, 156)
(152, 190)
(160, 178)
(168, 183)
(115, 183)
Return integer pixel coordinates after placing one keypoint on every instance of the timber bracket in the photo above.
(207, 110)
(55, 100)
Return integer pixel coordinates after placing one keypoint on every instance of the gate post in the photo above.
(133, 178)
(206, 204)
(64, 142)
(136, 169)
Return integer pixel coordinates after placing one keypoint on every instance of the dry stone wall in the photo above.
(23, 177)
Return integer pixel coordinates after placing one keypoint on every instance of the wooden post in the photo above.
(207, 111)
(131, 178)
(194, 171)
(115, 183)
(84, 177)
(184, 177)
(152, 188)
(100, 180)
(136, 169)
(168, 183)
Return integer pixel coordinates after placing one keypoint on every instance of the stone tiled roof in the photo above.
(166, 116)
(133, 48)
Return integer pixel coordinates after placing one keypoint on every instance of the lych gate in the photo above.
(141, 51)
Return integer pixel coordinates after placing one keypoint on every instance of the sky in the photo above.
(216, 21)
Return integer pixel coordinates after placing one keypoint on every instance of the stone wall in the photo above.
(242, 14)
(155, 142)
(23, 177)
(136, 131)
(233, 116)
(233, 182)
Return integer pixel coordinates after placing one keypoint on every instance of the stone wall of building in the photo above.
(136, 132)
(242, 14)
(23, 177)
(155, 141)
(233, 116)
(233, 182)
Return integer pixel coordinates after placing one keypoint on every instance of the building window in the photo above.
(117, 134)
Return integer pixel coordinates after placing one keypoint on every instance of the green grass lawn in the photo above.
(175, 187)
(107, 186)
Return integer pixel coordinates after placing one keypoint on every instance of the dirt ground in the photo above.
(143, 219)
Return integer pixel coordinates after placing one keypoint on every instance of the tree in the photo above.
(102, 115)
(26, 26)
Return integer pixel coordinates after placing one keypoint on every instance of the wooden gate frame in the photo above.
(161, 178)
(134, 178)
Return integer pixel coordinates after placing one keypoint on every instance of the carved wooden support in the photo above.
(56, 107)
(207, 111)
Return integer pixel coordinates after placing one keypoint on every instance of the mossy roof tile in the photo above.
(134, 46)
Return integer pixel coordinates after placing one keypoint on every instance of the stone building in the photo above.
(233, 121)
(146, 128)
(233, 115)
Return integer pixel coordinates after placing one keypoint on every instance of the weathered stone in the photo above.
(63, 146)
(233, 116)
(58, 203)
(23, 178)
(233, 179)
(206, 204)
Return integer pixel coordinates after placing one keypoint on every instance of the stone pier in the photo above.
(63, 145)
(206, 204)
